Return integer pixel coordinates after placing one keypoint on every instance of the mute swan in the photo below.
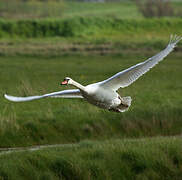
(104, 94)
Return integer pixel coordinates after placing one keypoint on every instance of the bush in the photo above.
(155, 8)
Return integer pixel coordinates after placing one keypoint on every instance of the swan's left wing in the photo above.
(72, 93)
(128, 76)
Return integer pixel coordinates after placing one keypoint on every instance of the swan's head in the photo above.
(66, 81)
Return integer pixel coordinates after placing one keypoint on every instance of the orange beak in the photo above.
(64, 82)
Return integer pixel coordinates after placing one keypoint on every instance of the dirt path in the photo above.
(32, 148)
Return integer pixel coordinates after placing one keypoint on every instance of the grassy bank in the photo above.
(96, 28)
(85, 36)
(155, 110)
(148, 158)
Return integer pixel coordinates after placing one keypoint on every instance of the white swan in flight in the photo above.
(104, 94)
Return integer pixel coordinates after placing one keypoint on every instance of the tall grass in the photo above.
(8, 121)
(147, 158)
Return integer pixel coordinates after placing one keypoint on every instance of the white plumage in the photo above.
(128, 76)
(103, 94)
(74, 93)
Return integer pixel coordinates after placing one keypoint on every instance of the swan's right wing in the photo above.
(72, 93)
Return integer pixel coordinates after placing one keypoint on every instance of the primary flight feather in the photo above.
(103, 94)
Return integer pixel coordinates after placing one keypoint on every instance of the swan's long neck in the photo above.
(77, 85)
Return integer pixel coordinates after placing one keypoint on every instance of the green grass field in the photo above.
(68, 9)
(124, 10)
(155, 110)
(24, 10)
(147, 158)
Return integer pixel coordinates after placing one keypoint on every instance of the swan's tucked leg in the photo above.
(126, 101)
(125, 104)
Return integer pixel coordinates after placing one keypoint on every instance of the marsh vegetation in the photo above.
(36, 55)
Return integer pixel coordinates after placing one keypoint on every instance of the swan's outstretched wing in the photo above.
(128, 76)
(72, 93)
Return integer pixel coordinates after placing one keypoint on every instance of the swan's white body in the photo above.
(104, 98)
(104, 94)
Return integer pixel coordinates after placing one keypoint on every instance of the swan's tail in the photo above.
(125, 104)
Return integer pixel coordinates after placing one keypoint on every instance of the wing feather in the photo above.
(130, 75)
(72, 93)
